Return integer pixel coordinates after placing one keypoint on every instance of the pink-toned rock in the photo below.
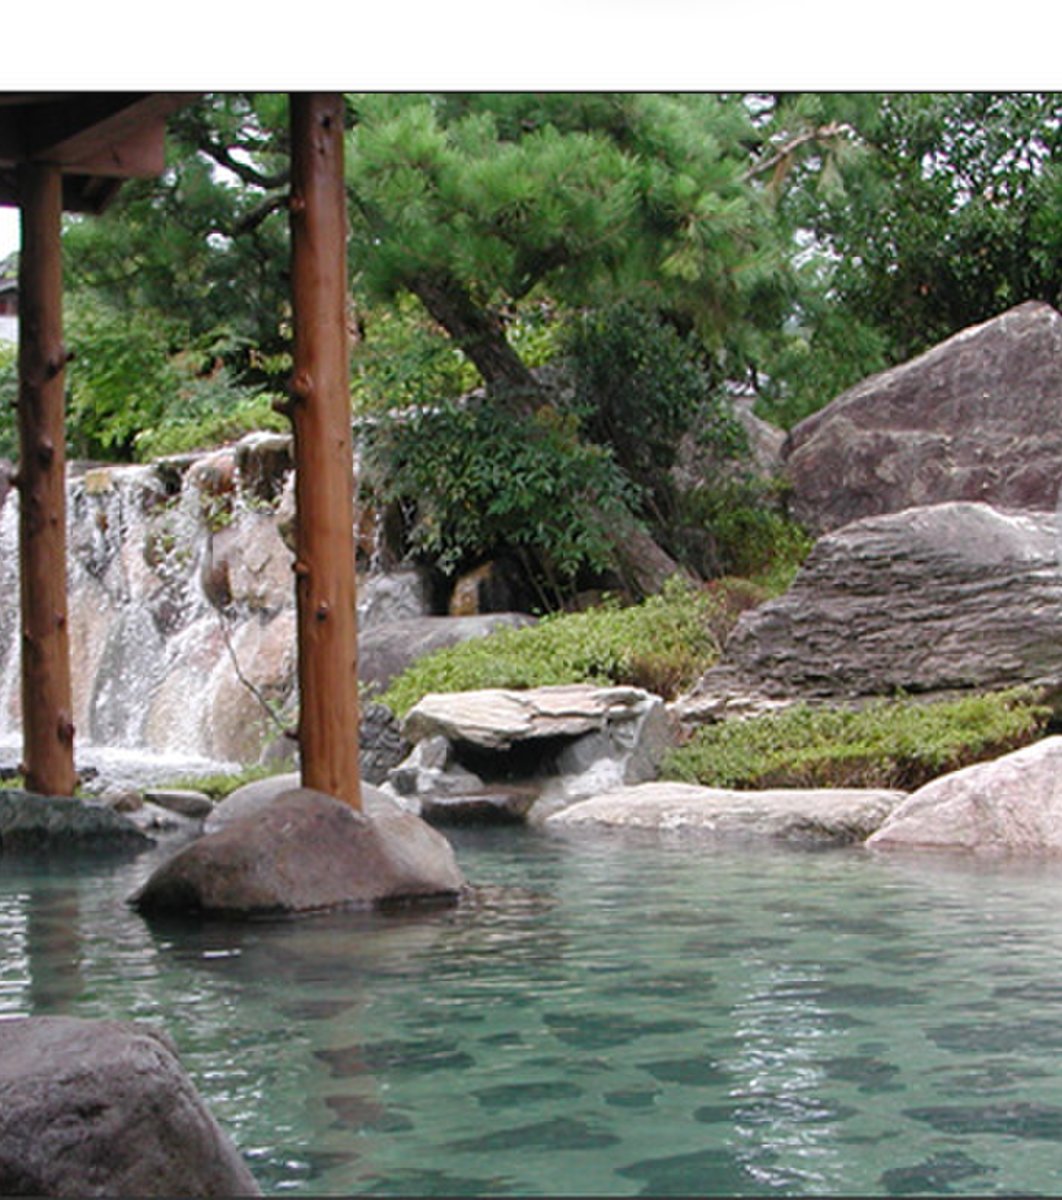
(306, 852)
(975, 418)
(104, 1108)
(1012, 805)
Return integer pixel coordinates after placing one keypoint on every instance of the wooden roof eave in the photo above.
(97, 139)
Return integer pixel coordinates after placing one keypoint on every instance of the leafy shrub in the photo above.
(890, 743)
(752, 537)
(479, 479)
(638, 388)
(662, 644)
(8, 400)
(134, 394)
(200, 426)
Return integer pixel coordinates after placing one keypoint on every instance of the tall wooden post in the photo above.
(324, 467)
(47, 724)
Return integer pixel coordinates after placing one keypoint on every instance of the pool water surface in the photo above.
(608, 1016)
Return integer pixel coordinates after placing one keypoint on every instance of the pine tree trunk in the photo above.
(324, 472)
(47, 723)
(481, 335)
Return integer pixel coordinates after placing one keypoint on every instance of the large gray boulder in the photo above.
(64, 824)
(1012, 805)
(953, 596)
(306, 852)
(837, 816)
(104, 1108)
(978, 417)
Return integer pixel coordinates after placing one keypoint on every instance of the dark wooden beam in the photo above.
(324, 468)
(47, 724)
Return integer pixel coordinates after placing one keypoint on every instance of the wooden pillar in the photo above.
(324, 468)
(47, 724)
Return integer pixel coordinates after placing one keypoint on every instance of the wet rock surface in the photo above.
(552, 744)
(64, 824)
(104, 1108)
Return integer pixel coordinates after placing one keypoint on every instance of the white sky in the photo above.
(551, 45)
(8, 230)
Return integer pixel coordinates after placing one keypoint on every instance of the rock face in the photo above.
(104, 1108)
(305, 852)
(931, 599)
(837, 816)
(525, 753)
(1010, 805)
(58, 824)
(975, 418)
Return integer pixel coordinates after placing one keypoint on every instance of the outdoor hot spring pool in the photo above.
(612, 1017)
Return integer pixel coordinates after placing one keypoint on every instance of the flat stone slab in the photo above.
(835, 816)
(104, 1108)
(305, 852)
(65, 824)
(1012, 805)
(182, 801)
(495, 718)
(498, 806)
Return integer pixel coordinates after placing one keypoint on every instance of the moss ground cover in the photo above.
(662, 644)
(895, 743)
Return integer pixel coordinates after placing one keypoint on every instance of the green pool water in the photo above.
(609, 1017)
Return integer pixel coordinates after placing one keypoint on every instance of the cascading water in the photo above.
(180, 610)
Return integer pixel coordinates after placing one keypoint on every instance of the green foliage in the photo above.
(222, 784)
(639, 388)
(134, 393)
(890, 743)
(950, 213)
(210, 415)
(480, 480)
(752, 536)
(405, 359)
(8, 400)
(472, 202)
(662, 644)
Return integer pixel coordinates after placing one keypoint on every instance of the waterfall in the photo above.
(181, 611)
(182, 606)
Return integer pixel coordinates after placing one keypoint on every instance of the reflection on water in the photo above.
(610, 1017)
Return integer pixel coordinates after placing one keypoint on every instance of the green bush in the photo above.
(639, 387)
(8, 400)
(752, 537)
(890, 743)
(662, 644)
(480, 480)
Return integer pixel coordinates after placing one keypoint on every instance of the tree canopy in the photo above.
(668, 243)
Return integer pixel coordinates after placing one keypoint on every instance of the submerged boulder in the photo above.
(1010, 805)
(817, 816)
(306, 852)
(975, 418)
(951, 596)
(104, 1108)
